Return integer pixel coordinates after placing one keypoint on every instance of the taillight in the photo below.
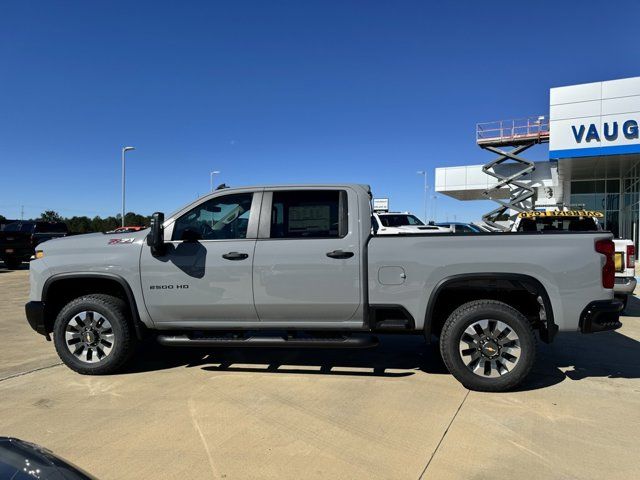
(631, 256)
(607, 248)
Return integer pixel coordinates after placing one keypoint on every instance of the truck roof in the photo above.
(296, 185)
(356, 186)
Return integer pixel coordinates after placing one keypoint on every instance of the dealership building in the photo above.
(594, 157)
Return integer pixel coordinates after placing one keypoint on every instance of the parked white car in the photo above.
(394, 223)
(584, 221)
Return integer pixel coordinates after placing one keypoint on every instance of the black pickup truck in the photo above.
(18, 240)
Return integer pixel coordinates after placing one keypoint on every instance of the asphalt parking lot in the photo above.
(391, 412)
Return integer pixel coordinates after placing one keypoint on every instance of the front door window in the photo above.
(221, 218)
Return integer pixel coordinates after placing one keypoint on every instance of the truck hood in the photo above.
(92, 241)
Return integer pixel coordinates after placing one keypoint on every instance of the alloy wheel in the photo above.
(490, 348)
(89, 337)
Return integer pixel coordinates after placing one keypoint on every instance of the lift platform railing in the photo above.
(509, 139)
(513, 132)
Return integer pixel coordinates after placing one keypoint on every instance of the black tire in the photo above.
(12, 263)
(124, 342)
(625, 300)
(451, 342)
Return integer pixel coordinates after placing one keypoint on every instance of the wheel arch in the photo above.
(432, 322)
(59, 289)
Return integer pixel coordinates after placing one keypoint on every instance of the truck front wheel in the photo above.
(92, 335)
(488, 346)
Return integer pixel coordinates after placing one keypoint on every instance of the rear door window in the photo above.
(399, 220)
(19, 227)
(309, 214)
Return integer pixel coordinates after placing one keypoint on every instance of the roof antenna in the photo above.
(222, 186)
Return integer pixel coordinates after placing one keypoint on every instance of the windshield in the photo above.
(562, 224)
(399, 220)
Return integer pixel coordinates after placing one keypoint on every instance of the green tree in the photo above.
(97, 224)
(2, 218)
(132, 219)
(111, 223)
(50, 216)
(79, 224)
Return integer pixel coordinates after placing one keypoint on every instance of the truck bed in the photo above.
(561, 262)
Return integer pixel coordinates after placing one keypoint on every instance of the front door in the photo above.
(205, 277)
(307, 260)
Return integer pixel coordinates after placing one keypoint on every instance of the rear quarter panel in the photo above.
(567, 265)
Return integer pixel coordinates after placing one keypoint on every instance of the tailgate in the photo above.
(12, 241)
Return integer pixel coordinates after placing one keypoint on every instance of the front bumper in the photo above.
(600, 316)
(35, 316)
(624, 285)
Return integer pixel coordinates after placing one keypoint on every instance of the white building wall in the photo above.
(470, 182)
(580, 115)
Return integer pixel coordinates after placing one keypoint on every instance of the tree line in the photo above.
(85, 224)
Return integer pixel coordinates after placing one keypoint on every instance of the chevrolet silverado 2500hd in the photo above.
(298, 266)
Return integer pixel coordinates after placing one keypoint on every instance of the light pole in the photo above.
(215, 172)
(424, 174)
(124, 150)
(435, 208)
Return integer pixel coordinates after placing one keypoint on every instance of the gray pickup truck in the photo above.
(299, 266)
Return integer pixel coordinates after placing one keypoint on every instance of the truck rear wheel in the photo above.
(488, 346)
(92, 335)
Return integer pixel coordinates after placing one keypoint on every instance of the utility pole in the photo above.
(424, 174)
(21, 212)
(124, 150)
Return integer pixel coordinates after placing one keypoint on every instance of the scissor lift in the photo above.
(508, 139)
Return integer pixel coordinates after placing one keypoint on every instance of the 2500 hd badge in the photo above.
(168, 287)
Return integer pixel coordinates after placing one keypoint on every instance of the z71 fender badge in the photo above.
(119, 241)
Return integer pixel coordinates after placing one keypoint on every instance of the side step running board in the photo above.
(401, 324)
(263, 341)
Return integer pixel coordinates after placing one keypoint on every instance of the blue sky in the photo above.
(277, 92)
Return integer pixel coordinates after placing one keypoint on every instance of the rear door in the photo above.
(306, 266)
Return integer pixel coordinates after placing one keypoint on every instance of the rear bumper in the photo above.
(624, 285)
(601, 316)
(10, 251)
(35, 316)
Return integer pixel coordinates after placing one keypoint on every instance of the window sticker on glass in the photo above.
(309, 218)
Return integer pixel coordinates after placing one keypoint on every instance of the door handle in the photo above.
(235, 256)
(339, 254)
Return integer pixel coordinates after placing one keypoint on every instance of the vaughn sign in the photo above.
(595, 119)
(595, 137)
(609, 131)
